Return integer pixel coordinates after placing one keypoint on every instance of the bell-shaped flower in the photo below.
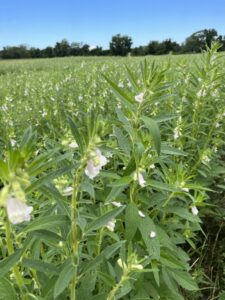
(141, 180)
(139, 98)
(141, 214)
(152, 234)
(139, 177)
(111, 225)
(194, 210)
(95, 164)
(17, 210)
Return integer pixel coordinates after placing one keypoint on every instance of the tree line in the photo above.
(120, 45)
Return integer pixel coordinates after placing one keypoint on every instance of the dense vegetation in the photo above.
(119, 46)
(112, 178)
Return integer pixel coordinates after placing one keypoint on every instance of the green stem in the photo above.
(113, 292)
(75, 238)
(16, 271)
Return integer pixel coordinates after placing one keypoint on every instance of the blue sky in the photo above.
(41, 23)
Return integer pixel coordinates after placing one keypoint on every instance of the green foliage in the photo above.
(125, 175)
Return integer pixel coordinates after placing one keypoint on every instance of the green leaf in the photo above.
(49, 222)
(104, 219)
(48, 236)
(154, 131)
(106, 254)
(159, 186)
(121, 94)
(9, 262)
(172, 151)
(40, 266)
(184, 279)
(47, 178)
(146, 226)
(67, 273)
(122, 140)
(4, 171)
(132, 220)
(7, 291)
(122, 181)
(132, 78)
(77, 135)
(114, 193)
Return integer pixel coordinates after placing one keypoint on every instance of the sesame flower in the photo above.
(17, 210)
(117, 204)
(141, 214)
(111, 225)
(68, 191)
(141, 180)
(95, 164)
(139, 98)
(137, 267)
(152, 234)
(73, 145)
(194, 210)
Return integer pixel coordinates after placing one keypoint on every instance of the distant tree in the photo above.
(62, 48)
(75, 49)
(35, 52)
(97, 51)
(120, 45)
(200, 39)
(139, 51)
(85, 49)
(221, 39)
(48, 52)
(168, 46)
(153, 47)
(21, 51)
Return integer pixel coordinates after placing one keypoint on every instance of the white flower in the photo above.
(152, 166)
(152, 234)
(68, 191)
(176, 133)
(141, 180)
(194, 210)
(111, 225)
(217, 125)
(73, 145)
(117, 204)
(139, 177)
(201, 93)
(95, 164)
(141, 214)
(205, 159)
(17, 210)
(137, 266)
(185, 189)
(13, 142)
(121, 85)
(121, 264)
(139, 98)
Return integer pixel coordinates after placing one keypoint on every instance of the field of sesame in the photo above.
(112, 178)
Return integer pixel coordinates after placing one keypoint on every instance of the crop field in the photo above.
(112, 178)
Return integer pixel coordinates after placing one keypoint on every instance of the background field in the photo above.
(174, 138)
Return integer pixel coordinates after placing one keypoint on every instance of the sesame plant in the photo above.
(107, 184)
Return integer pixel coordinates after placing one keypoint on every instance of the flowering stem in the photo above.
(113, 292)
(75, 241)
(16, 271)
